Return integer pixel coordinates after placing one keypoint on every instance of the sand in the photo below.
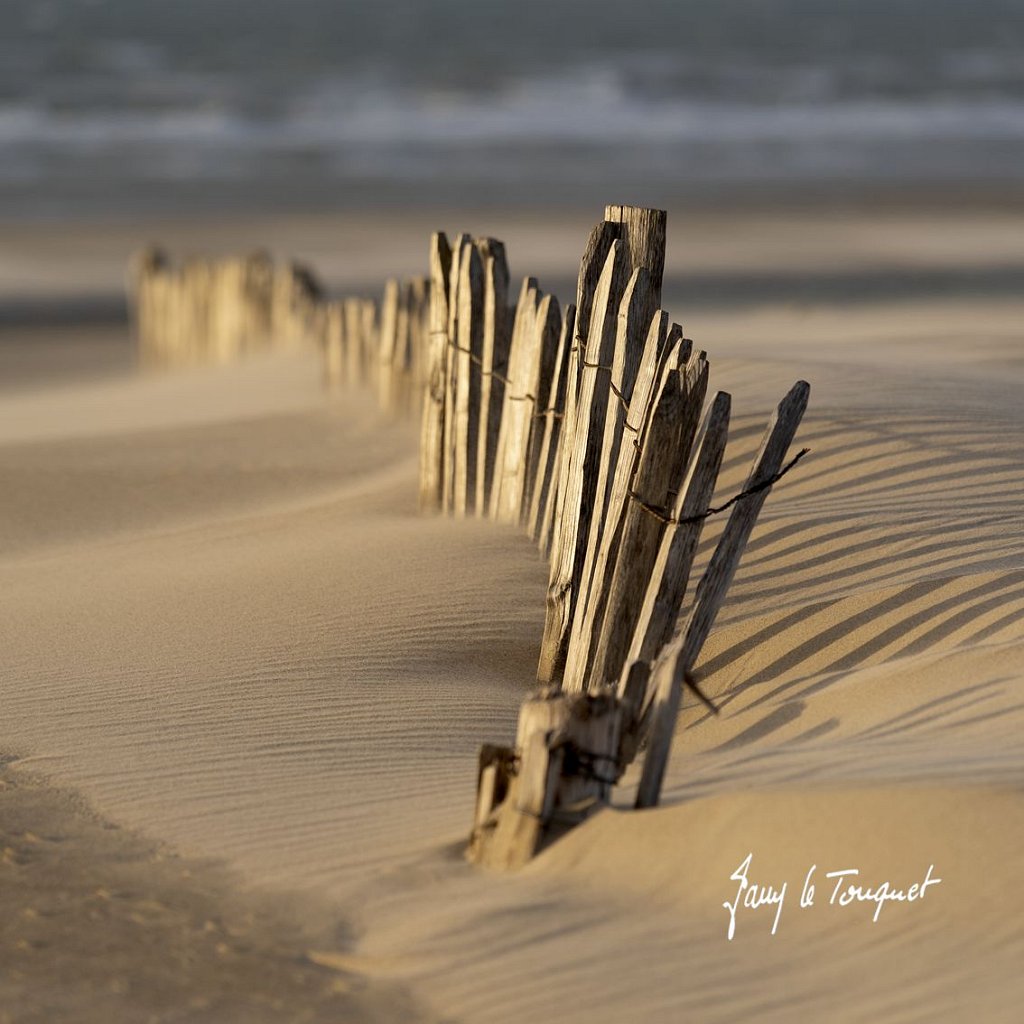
(226, 625)
(98, 924)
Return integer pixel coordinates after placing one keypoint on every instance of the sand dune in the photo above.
(243, 621)
(868, 666)
(226, 624)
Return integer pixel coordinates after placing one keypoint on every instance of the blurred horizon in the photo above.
(113, 106)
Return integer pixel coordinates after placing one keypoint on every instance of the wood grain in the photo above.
(581, 478)
(521, 378)
(554, 414)
(664, 451)
(539, 408)
(643, 233)
(494, 364)
(635, 312)
(432, 422)
(680, 655)
(671, 573)
(469, 339)
(459, 248)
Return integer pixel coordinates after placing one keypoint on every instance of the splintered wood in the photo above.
(560, 770)
(586, 427)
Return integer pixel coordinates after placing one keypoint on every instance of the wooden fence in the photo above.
(213, 311)
(205, 311)
(589, 427)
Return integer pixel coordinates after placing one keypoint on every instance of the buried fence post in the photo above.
(565, 761)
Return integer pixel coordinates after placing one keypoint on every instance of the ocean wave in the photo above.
(118, 97)
(584, 115)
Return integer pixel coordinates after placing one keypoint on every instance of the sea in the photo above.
(194, 105)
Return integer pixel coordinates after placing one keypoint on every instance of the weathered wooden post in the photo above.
(643, 232)
(413, 350)
(386, 352)
(561, 770)
(468, 354)
(678, 657)
(584, 456)
(630, 237)
(225, 310)
(530, 370)
(432, 429)
(546, 450)
(602, 550)
(665, 450)
(592, 266)
(145, 285)
(369, 333)
(546, 403)
(259, 297)
(493, 367)
(521, 359)
(671, 572)
(459, 253)
(351, 313)
(635, 323)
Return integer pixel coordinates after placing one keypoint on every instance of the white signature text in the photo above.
(843, 889)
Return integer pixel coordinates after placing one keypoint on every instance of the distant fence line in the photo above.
(586, 427)
(212, 311)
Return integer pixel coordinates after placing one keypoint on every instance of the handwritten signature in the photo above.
(845, 891)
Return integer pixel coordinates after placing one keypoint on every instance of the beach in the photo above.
(229, 633)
